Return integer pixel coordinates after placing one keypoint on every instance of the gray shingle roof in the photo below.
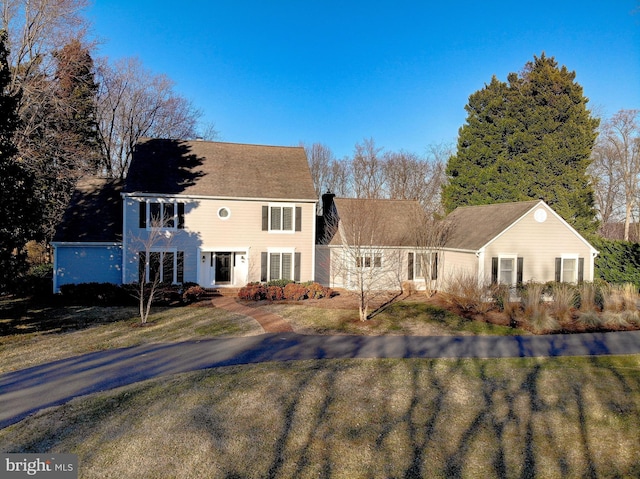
(472, 227)
(94, 213)
(220, 169)
(387, 222)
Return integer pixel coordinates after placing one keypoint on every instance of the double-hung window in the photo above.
(507, 269)
(281, 218)
(161, 266)
(569, 268)
(161, 214)
(369, 261)
(280, 264)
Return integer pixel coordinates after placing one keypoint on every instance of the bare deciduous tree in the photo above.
(617, 162)
(368, 170)
(37, 29)
(152, 248)
(409, 177)
(365, 260)
(133, 103)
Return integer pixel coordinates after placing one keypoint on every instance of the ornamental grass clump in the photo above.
(467, 294)
(620, 306)
(588, 296)
(564, 301)
(536, 314)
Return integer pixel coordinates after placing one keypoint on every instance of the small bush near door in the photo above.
(283, 289)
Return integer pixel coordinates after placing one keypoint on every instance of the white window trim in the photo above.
(573, 256)
(514, 257)
(417, 264)
(293, 217)
(281, 251)
(161, 250)
(162, 202)
(372, 259)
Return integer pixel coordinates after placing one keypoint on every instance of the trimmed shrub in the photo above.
(279, 282)
(253, 292)
(192, 293)
(274, 293)
(317, 291)
(95, 294)
(295, 292)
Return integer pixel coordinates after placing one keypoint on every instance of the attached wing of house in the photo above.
(88, 243)
(515, 242)
(372, 241)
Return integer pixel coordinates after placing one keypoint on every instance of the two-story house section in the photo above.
(227, 213)
(217, 214)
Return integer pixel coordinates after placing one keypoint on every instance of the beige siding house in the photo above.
(217, 214)
(512, 243)
(371, 244)
(507, 243)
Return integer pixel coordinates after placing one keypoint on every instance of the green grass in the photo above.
(534, 418)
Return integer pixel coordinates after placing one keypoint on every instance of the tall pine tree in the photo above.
(530, 138)
(18, 208)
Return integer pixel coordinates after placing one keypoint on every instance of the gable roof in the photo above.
(94, 213)
(472, 227)
(388, 222)
(205, 168)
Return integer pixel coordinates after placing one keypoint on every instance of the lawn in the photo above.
(32, 333)
(533, 418)
(526, 418)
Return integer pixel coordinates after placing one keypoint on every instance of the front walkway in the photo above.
(271, 323)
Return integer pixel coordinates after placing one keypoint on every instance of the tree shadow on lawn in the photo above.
(26, 316)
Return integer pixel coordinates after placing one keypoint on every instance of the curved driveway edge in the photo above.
(29, 390)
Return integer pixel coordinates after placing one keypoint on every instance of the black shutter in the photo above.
(519, 274)
(558, 269)
(494, 270)
(263, 266)
(434, 265)
(180, 265)
(181, 216)
(580, 270)
(296, 267)
(298, 218)
(142, 210)
(265, 218)
(410, 266)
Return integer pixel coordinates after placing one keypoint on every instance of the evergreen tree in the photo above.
(530, 138)
(17, 206)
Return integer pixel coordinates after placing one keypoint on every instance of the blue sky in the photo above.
(281, 72)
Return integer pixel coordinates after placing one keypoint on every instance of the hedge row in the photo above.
(618, 261)
(109, 294)
(274, 291)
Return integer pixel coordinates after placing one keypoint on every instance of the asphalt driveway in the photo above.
(29, 390)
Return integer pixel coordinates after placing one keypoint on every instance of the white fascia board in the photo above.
(86, 244)
(140, 195)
